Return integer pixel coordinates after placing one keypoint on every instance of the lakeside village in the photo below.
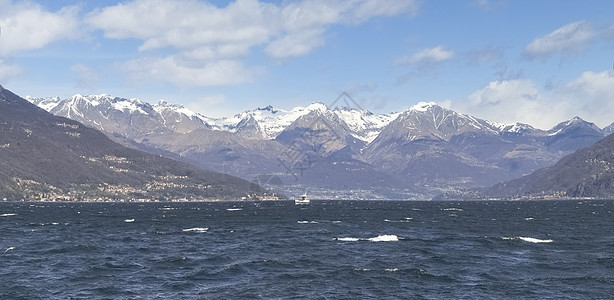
(168, 191)
(164, 190)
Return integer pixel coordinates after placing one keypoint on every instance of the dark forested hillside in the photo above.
(47, 157)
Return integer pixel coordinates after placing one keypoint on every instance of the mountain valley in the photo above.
(338, 151)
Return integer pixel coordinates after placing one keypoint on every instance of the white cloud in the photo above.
(365, 10)
(506, 101)
(294, 45)
(87, 78)
(27, 26)
(8, 70)
(212, 106)
(431, 55)
(204, 33)
(188, 74)
(571, 38)
(590, 96)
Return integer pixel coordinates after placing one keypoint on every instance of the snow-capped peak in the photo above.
(164, 106)
(44, 103)
(317, 106)
(423, 106)
(364, 125)
(574, 122)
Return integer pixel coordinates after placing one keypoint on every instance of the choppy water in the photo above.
(327, 250)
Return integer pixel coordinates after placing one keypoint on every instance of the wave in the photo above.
(399, 221)
(234, 209)
(385, 238)
(196, 229)
(307, 222)
(129, 220)
(348, 239)
(367, 270)
(7, 215)
(528, 239)
(453, 209)
(379, 238)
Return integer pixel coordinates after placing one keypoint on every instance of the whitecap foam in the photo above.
(529, 219)
(234, 209)
(533, 240)
(307, 222)
(391, 270)
(528, 239)
(379, 238)
(385, 238)
(196, 229)
(7, 215)
(129, 220)
(347, 239)
(399, 221)
(453, 209)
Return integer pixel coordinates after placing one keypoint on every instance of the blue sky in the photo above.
(537, 62)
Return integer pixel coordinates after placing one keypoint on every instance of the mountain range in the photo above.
(341, 151)
(586, 173)
(48, 157)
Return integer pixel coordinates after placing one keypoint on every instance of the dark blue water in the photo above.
(327, 250)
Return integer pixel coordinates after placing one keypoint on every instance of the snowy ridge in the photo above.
(44, 103)
(271, 121)
(575, 122)
(268, 122)
(365, 126)
(423, 106)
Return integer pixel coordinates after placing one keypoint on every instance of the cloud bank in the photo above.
(208, 43)
(569, 39)
(590, 96)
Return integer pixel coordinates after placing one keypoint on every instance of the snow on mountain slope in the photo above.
(270, 121)
(102, 111)
(429, 120)
(365, 125)
(44, 103)
(576, 123)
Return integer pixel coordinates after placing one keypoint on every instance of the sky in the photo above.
(538, 62)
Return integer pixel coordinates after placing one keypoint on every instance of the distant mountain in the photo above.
(43, 156)
(588, 172)
(246, 145)
(420, 152)
(435, 147)
(609, 129)
(573, 134)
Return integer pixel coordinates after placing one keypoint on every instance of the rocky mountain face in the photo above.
(609, 129)
(48, 157)
(418, 153)
(589, 172)
(435, 147)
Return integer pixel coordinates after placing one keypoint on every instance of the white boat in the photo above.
(303, 201)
